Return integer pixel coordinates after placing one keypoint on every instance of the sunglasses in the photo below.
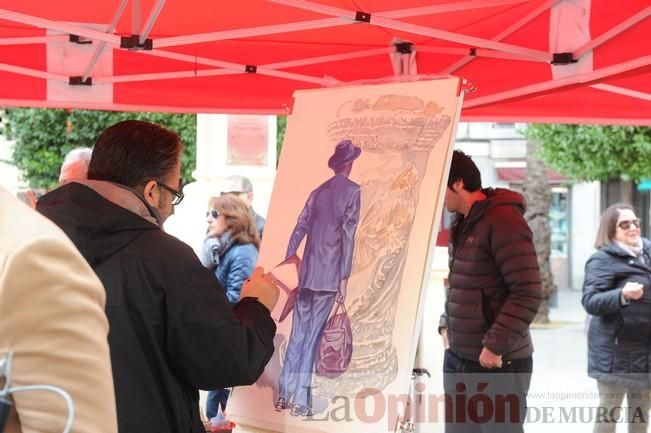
(178, 195)
(625, 225)
(213, 213)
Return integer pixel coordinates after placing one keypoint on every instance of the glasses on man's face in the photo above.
(178, 195)
(626, 224)
(213, 213)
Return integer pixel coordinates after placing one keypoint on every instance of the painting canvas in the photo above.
(353, 212)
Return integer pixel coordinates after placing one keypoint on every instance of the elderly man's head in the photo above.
(75, 165)
(240, 187)
(144, 157)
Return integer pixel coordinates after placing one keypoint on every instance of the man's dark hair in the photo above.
(465, 169)
(133, 152)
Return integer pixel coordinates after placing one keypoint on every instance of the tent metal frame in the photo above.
(468, 47)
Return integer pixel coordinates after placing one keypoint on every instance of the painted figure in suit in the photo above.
(328, 222)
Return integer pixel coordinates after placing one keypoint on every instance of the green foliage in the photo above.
(280, 135)
(44, 136)
(583, 152)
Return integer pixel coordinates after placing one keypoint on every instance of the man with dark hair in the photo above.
(493, 295)
(172, 329)
(242, 188)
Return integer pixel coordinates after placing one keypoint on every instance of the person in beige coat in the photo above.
(52, 319)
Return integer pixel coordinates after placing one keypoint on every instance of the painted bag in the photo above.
(336, 347)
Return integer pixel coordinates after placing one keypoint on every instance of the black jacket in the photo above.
(619, 337)
(494, 283)
(172, 330)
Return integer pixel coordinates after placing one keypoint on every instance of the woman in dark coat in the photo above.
(231, 251)
(617, 293)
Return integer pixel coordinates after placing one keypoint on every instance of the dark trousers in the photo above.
(311, 312)
(216, 398)
(482, 400)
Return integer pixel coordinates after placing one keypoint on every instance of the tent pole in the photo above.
(165, 76)
(378, 20)
(447, 7)
(250, 32)
(59, 26)
(100, 47)
(34, 40)
(508, 31)
(478, 52)
(623, 91)
(32, 72)
(605, 37)
(332, 58)
(324, 23)
(236, 67)
(151, 19)
(546, 86)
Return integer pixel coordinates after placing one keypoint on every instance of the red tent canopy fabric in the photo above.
(251, 55)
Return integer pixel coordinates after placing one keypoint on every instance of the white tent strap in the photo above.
(618, 29)
(544, 86)
(505, 33)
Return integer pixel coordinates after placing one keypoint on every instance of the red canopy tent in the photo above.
(577, 61)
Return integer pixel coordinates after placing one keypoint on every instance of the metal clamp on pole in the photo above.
(132, 43)
(79, 81)
(563, 59)
(76, 39)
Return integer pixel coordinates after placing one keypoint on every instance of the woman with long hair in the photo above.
(617, 293)
(231, 250)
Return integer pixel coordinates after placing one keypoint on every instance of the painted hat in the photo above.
(345, 153)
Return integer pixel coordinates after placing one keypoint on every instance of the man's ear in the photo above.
(151, 193)
(249, 197)
(457, 186)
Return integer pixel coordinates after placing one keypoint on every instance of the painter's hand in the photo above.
(341, 293)
(488, 359)
(261, 286)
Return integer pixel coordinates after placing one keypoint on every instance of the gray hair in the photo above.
(238, 183)
(79, 154)
(75, 165)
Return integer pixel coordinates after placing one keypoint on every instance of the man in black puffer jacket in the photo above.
(494, 294)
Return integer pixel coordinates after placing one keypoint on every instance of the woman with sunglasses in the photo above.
(617, 293)
(231, 250)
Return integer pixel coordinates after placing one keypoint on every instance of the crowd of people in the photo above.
(97, 300)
